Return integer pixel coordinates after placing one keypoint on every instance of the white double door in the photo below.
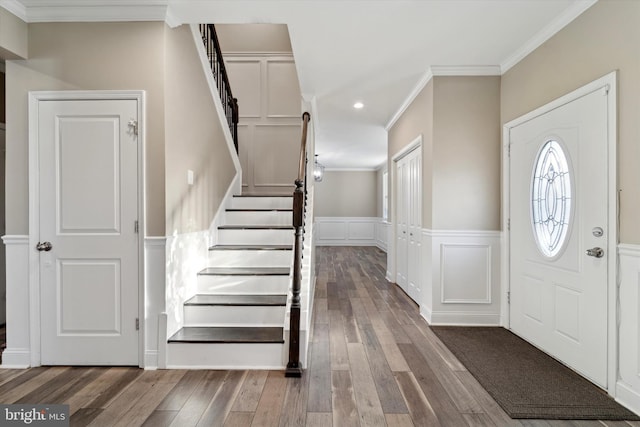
(559, 232)
(409, 222)
(88, 240)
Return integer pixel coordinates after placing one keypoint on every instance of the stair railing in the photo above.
(294, 369)
(214, 53)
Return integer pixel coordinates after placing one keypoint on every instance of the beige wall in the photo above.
(87, 56)
(346, 194)
(415, 121)
(13, 36)
(194, 140)
(254, 38)
(466, 153)
(604, 38)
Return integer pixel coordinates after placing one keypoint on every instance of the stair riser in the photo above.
(250, 258)
(255, 237)
(262, 203)
(259, 218)
(226, 356)
(234, 315)
(243, 285)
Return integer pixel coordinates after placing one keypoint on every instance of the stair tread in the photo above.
(237, 300)
(245, 271)
(200, 334)
(251, 248)
(259, 210)
(255, 227)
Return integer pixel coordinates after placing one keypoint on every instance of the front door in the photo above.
(88, 211)
(559, 237)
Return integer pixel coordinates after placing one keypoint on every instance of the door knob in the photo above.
(44, 246)
(595, 252)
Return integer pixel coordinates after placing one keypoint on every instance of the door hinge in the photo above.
(133, 124)
(136, 227)
(509, 150)
(137, 324)
(509, 297)
(508, 224)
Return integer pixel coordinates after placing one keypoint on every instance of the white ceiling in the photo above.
(375, 51)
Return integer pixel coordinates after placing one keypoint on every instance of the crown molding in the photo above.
(373, 169)
(410, 98)
(561, 21)
(15, 7)
(464, 70)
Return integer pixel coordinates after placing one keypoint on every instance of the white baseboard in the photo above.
(151, 360)
(628, 397)
(449, 318)
(16, 359)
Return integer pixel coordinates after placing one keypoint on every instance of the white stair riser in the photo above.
(259, 218)
(243, 285)
(262, 203)
(250, 258)
(255, 237)
(226, 356)
(234, 315)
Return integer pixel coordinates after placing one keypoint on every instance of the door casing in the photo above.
(34, 213)
(609, 82)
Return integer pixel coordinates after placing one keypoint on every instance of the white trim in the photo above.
(350, 169)
(15, 7)
(463, 233)
(424, 80)
(414, 144)
(463, 70)
(609, 82)
(343, 233)
(460, 318)
(202, 54)
(15, 239)
(34, 196)
(561, 21)
(629, 250)
(625, 395)
(97, 11)
(285, 55)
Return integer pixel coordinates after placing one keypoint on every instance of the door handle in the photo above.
(44, 246)
(595, 252)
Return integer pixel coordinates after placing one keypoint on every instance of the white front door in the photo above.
(88, 210)
(558, 211)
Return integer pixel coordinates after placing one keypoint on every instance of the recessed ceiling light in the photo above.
(358, 105)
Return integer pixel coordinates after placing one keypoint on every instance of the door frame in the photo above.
(34, 196)
(393, 175)
(608, 83)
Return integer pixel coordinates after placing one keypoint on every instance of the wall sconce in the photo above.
(318, 170)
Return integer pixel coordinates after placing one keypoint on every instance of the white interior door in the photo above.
(558, 211)
(409, 222)
(414, 222)
(88, 218)
(402, 233)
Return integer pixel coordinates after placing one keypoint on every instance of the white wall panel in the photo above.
(282, 100)
(245, 77)
(361, 230)
(628, 383)
(348, 231)
(465, 276)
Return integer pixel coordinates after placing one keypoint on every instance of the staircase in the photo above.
(237, 317)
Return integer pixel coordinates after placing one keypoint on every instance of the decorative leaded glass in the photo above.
(551, 198)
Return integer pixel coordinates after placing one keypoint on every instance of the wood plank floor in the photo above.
(373, 362)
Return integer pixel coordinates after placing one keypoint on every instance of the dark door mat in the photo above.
(526, 382)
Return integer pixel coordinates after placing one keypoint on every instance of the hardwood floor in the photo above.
(374, 362)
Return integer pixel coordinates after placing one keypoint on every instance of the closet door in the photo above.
(402, 264)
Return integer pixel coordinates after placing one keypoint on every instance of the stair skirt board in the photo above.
(227, 356)
(243, 285)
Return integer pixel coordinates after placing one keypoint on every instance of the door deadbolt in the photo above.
(597, 231)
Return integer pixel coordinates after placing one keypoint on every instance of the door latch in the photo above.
(595, 252)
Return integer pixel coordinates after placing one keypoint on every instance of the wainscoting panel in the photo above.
(350, 231)
(155, 281)
(628, 383)
(461, 277)
(382, 234)
(17, 355)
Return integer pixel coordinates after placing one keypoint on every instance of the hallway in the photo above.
(374, 362)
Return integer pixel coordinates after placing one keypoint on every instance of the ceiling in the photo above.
(379, 52)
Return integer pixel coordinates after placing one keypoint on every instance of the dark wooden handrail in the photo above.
(216, 62)
(294, 369)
